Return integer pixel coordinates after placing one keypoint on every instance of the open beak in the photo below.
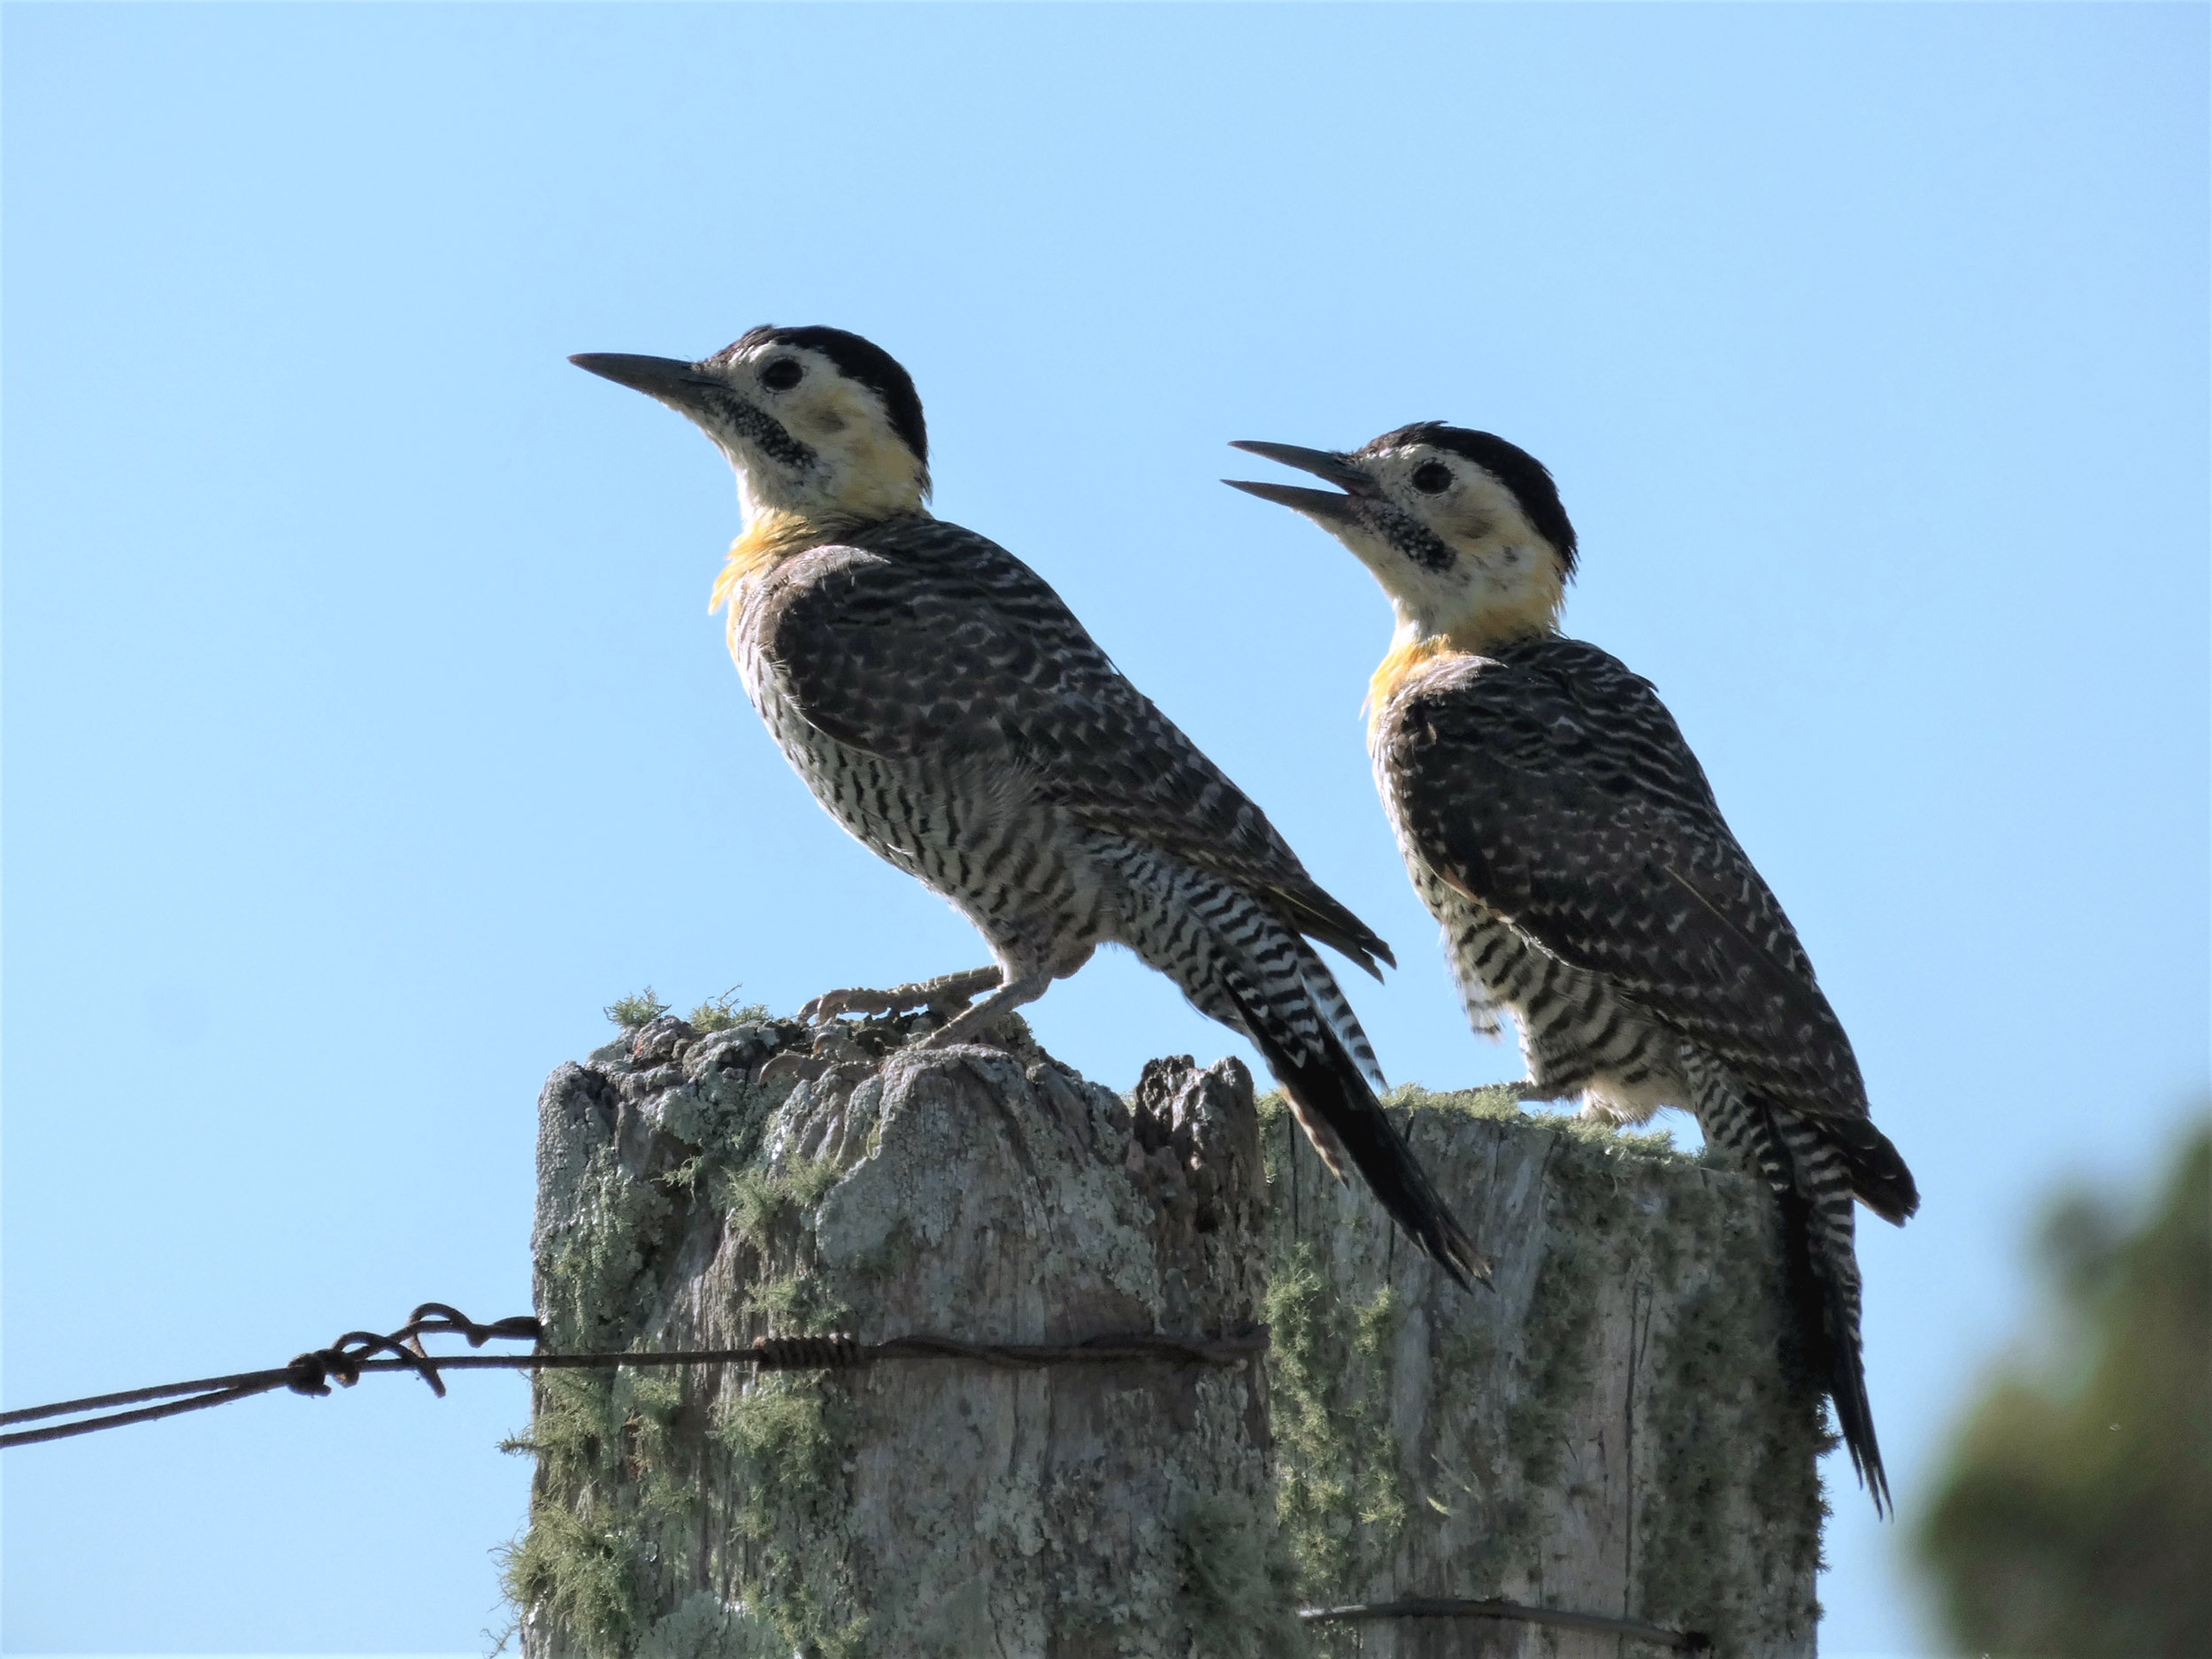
(1326, 507)
(669, 380)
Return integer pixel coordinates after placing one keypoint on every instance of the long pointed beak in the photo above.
(669, 380)
(1327, 463)
(1324, 506)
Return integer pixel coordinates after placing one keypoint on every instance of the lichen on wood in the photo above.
(1618, 1425)
(688, 1198)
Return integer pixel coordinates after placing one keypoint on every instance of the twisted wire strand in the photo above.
(1455, 1607)
(357, 1353)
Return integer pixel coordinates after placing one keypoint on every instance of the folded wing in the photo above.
(941, 641)
(1559, 793)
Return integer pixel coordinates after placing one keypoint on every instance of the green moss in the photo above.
(616, 1526)
(1239, 1590)
(1552, 1347)
(600, 1271)
(1718, 1426)
(777, 1428)
(784, 1441)
(1375, 1323)
(592, 1290)
(615, 1507)
(685, 1177)
(580, 1559)
(1348, 1493)
(1338, 1499)
(1338, 1505)
(799, 1303)
(761, 1200)
(1496, 1101)
(580, 1573)
(568, 1423)
(731, 1115)
(653, 1450)
(641, 1008)
(765, 1204)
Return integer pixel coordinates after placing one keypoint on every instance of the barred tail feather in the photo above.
(1316, 915)
(1328, 996)
(1879, 1175)
(1816, 1206)
(1812, 1177)
(1239, 962)
(1341, 1115)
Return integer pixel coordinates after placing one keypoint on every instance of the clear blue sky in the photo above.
(366, 732)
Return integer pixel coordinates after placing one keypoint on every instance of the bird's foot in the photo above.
(971, 1026)
(946, 994)
(1529, 1091)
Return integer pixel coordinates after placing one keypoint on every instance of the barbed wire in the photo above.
(1454, 1607)
(359, 1353)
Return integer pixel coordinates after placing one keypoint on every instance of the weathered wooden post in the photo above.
(1617, 1429)
(909, 1508)
(1614, 1430)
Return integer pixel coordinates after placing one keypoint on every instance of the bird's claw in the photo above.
(944, 995)
(830, 1004)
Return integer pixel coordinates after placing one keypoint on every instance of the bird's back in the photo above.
(920, 653)
(950, 711)
(1547, 781)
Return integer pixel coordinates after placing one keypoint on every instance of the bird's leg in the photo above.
(1529, 1091)
(941, 995)
(979, 1019)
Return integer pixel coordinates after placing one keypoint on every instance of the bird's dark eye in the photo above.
(782, 375)
(1432, 477)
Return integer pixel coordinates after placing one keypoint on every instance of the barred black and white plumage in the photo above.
(1556, 824)
(946, 709)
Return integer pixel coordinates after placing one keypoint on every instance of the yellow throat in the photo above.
(767, 541)
(1399, 665)
(1407, 657)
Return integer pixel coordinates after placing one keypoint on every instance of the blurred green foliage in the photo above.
(2075, 1517)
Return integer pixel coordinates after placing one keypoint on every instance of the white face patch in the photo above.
(808, 440)
(1452, 547)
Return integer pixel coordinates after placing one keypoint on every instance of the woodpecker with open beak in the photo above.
(1564, 837)
(950, 712)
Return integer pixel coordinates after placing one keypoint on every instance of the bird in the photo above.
(1558, 827)
(949, 711)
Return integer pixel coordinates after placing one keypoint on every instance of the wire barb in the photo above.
(308, 1373)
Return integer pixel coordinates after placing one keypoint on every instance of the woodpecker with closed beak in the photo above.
(949, 711)
(1561, 832)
